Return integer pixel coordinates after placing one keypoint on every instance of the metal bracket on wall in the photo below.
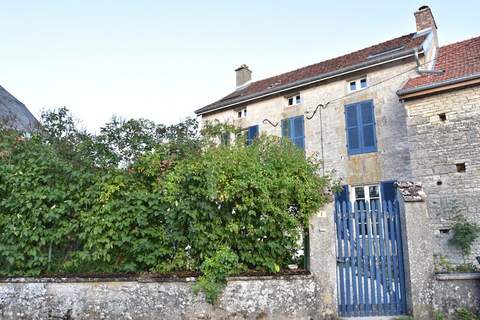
(266, 121)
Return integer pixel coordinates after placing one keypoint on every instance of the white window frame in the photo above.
(366, 190)
(294, 100)
(242, 113)
(358, 83)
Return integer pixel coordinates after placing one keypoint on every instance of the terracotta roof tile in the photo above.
(458, 60)
(399, 44)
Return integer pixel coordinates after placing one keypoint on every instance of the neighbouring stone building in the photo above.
(443, 124)
(14, 113)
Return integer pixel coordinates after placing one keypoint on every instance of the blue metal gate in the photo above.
(370, 270)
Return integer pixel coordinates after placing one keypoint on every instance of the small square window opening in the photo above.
(242, 113)
(461, 167)
(442, 116)
(358, 84)
(353, 86)
(363, 83)
(294, 100)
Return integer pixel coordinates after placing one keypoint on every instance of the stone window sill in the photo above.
(458, 276)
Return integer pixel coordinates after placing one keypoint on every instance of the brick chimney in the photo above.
(244, 75)
(424, 18)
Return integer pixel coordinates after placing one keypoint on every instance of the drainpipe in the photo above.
(424, 71)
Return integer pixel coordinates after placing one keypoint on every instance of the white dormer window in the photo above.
(294, 100)
(358, 84)
(242, 113)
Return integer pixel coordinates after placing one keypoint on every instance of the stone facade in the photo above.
(444, 135)
(390, 162)
(454, 290)
(293, 297)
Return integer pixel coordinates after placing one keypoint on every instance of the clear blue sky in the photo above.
(163, 59)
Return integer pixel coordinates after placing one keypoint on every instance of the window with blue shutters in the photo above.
(294, 128)
(360, 127)
(252, 133)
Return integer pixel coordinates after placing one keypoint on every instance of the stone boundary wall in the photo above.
(456, 290)
(279, 297)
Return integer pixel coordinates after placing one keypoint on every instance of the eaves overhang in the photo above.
(439, 86)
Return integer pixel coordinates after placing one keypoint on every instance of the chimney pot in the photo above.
(243, 75)
(424, 18)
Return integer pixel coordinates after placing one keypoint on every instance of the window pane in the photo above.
(239, 114)
(297, 99)
(290, 101)
(374, 192)
(363, 83)
(353, 86)
(369, 136)
(367, 112)
(359, 193)
(245, 112)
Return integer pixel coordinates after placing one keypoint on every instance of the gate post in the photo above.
(323, 263)
(418, 249)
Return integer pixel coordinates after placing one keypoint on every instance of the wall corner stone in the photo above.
(418, 249)
(323, 263)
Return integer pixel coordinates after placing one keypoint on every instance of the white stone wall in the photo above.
(436, 147)
(289, 297)
(391, 162)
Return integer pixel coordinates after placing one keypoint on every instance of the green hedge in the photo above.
(142, 197)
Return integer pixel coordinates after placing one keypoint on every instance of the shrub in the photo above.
(158, 199)
(464, 235)
(215, 270)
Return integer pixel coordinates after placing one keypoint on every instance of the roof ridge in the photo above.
(330, 59)
(460, 62)
(375, 53)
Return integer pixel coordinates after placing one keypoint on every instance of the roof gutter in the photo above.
(438, 86)
(312, 80)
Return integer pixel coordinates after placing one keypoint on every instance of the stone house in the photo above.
(402, 110)
(14, 113)
(443, 118)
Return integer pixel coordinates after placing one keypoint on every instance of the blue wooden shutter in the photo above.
(352, 127)
(286, 128)
(367, 116)
(342, 196)
(388, 191)
(298, 131)
(252, 133)
(360, 127)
